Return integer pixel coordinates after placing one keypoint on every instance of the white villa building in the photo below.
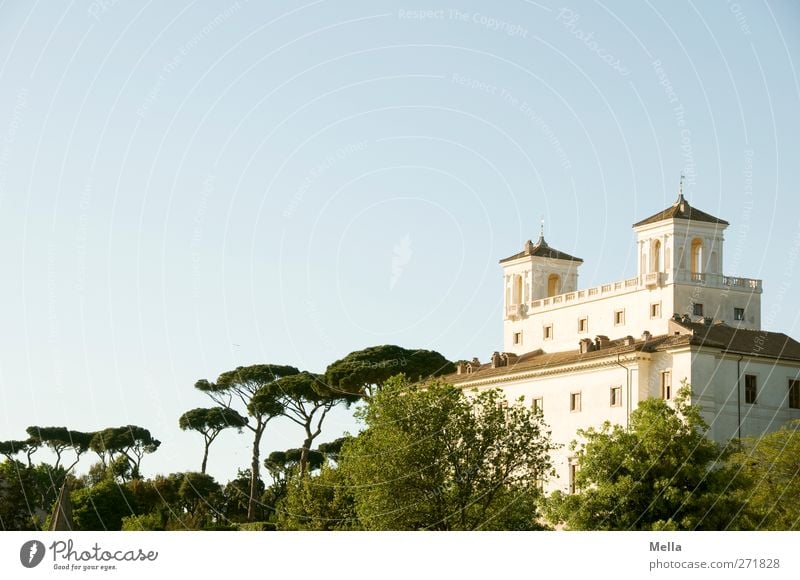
(587, 356)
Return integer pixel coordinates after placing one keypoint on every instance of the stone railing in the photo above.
(722, 281)
(649, 280)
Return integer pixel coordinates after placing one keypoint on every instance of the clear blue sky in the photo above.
(188, 187)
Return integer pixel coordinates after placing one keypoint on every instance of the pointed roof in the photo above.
(683, 211)
(61, 518)
(541, 250)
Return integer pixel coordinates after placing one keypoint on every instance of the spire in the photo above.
(680, 199)
(540, 241)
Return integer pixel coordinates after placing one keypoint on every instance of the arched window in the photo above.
(553, 283)
(517, 289)
(697, 256)
(655, 256)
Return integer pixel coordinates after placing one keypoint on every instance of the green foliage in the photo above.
(243, 382)
(256, 527)
(320, 502)
(17, 505)
(149, 522)
(768, 479)
(332, 449)
(27, 494)
(102, 506)
(282, 465)
(130, 441)
(12, 448)
(661, 473)
(236, 498)
(254, 387)
(198, 495)
(306, 400)
(434, 458)
(362, 373)
(210, 422)
(178, 501)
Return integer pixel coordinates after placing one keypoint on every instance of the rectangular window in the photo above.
(573, 472)
(666, 385)
(616, 397)
(574, 402)
(583, 324)
(548, 332)
(794, 394)
(518, 338)
(537, 405)
(697, 309)
(750, 389)
(655, 310)
(619, 317)
(738, 313)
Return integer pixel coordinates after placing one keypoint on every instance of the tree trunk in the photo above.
(205, 461)
(254, 471)
(304, 455)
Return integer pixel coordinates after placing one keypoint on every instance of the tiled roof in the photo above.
(681, 210)
(721, 336)
(749, 342)
(541, 250)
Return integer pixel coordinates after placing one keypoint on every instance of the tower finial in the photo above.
(541, 228)
(680, 187)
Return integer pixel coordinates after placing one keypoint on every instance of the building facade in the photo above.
(586, 356)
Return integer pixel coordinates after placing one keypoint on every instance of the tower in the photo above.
(679, 272)
(680, 244)
(537, 273)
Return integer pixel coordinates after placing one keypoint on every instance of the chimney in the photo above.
(628, 340)
(646, 335)
(686, 319)
(585, 345)
(676, 317)
(601, 341)
(476, 362)
(707, 320)
(496, 362)
(461, 367)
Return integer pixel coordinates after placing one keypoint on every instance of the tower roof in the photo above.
(541, 250)
(683, 211)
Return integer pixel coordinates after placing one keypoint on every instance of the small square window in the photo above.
(750, 388)
(697, 309)
(655, 310)
(548, 332)
(666, 385)
(518, 338)
(794, 394)
(616, 397)
(619, 317)
(575, 402)
(738, 313)
(537, 405)
(583, 324)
